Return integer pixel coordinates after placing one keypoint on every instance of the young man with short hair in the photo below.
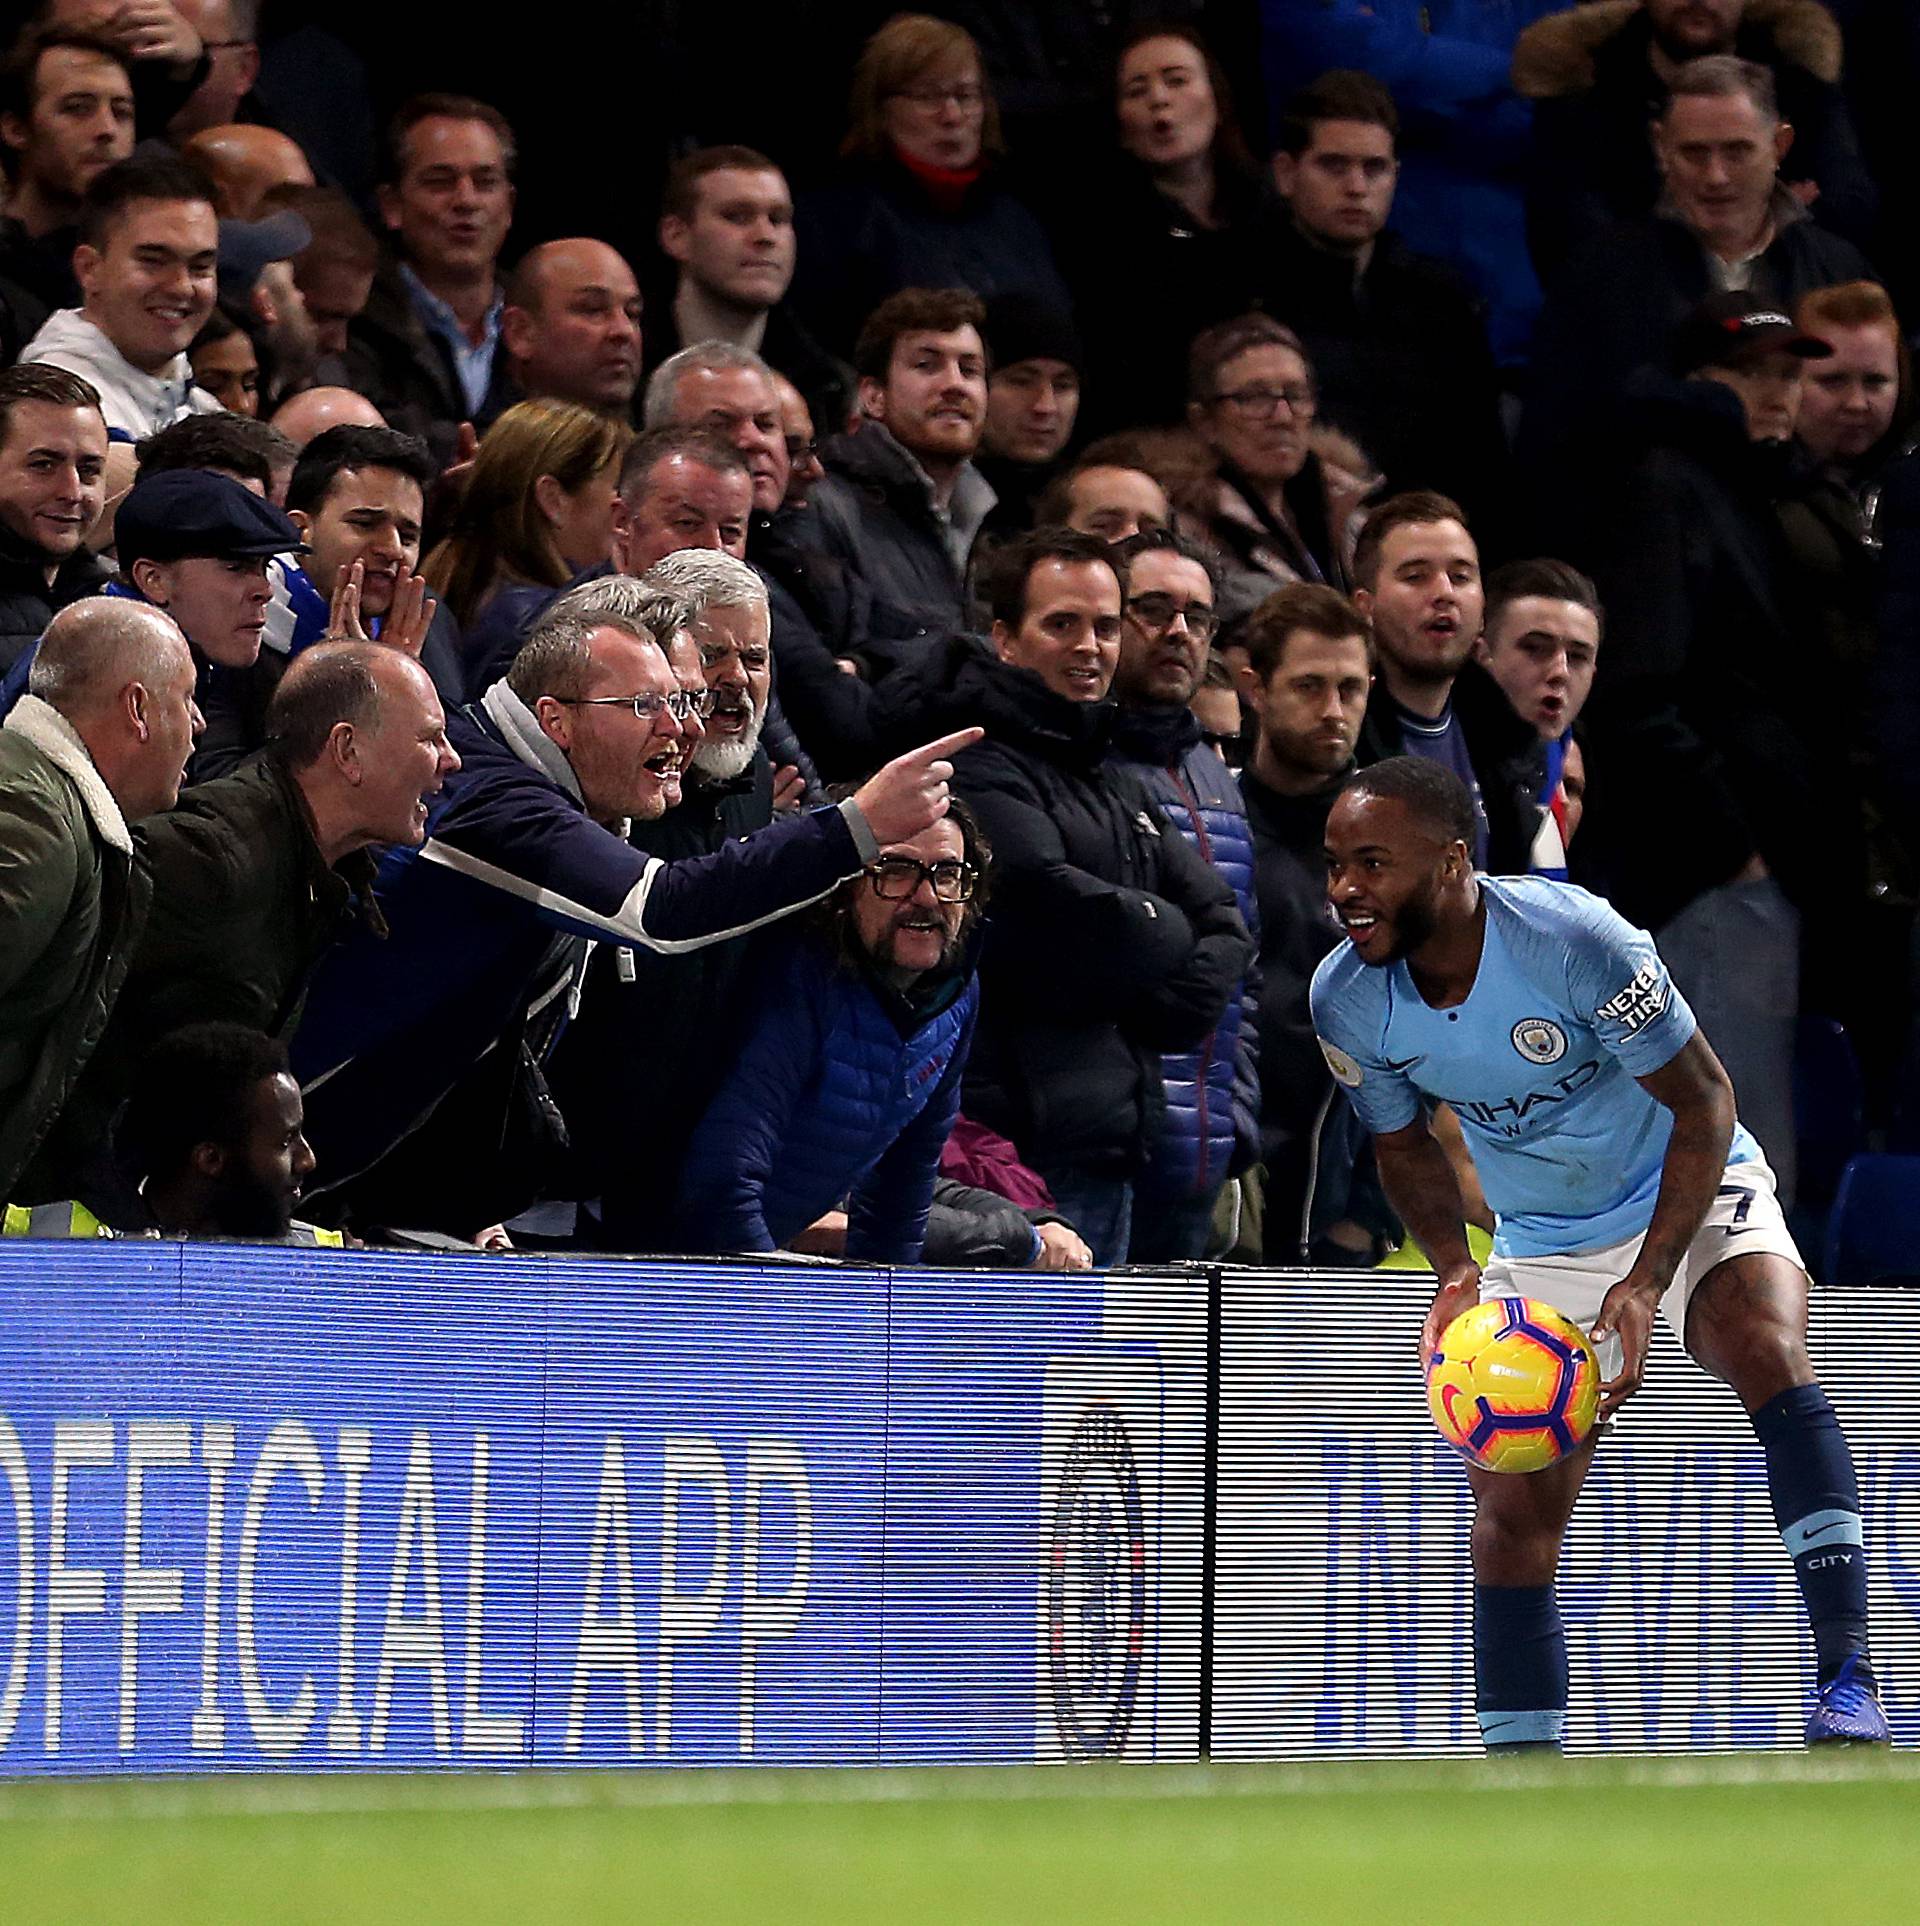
(1397, 341)
(146, 260)
(1623, 1186)
(66, 113)
(1114, 941)
(726, 226)
(1307, 677)
(1541, 643)
(903, 500)
(53, 485)
(1417, 575)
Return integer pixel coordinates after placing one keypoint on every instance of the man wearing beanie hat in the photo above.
(1033, 398)
(1736, 829)
(197, 545)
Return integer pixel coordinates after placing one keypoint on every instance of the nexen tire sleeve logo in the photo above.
(1097, 1587)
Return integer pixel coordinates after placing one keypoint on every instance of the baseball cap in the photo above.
(247, 247)
(192, 511)
(1727, 328)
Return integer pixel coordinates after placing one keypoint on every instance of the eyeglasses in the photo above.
(800, 449)
(1257, 403)
(964, 98)
(1157, 611)
(898, 877)
(680, 704)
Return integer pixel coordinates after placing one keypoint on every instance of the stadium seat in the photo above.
(1873, 1230)
(1829, 1107)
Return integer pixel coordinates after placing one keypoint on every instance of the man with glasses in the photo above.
(847, 1077)
(1396, 338)
(1210, 1130)
(638, 1058)
(526, 860)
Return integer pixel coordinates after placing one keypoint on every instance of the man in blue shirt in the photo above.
(1603, 1130)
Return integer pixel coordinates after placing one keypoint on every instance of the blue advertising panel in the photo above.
(320, 1510)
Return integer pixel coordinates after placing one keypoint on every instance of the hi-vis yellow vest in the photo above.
(76, 1220)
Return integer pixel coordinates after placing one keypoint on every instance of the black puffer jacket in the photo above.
(1109, 939)
(27, 604)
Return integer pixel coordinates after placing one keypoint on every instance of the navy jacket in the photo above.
(1212, 1123)
(843, 1089)
(488, 923)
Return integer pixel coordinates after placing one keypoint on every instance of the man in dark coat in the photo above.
(101, 737)
(53, 467)
(1724, 221)
(1598, 74)
(1309, 663)
(256, 875)
(1735, 825)
(1398, 344)
(1112, 940)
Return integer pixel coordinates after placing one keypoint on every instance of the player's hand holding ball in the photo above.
(1626, 1312)
(1459, 1291)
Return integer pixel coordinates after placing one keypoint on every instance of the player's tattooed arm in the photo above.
(1695, 1088)
(1421, 1186)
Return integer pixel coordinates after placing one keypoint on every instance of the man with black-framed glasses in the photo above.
(847, 1077)
(446, 1022)
(1210, 1128)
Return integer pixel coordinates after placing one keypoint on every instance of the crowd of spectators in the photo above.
(803, 718)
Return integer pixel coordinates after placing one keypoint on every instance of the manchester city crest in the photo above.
(1539, 1040)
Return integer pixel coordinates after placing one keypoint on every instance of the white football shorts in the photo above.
(1745, 1217)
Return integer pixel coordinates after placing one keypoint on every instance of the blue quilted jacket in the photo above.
(843, 1090)
(1211, 1128)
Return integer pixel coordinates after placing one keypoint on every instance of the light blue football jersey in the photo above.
(1570, 1005)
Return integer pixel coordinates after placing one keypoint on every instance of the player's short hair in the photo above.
(1013, 570)
(1173, 541)
(1544, 576)
(1418, 508)
(127, 183)
(1308, 606)
(1428, 790)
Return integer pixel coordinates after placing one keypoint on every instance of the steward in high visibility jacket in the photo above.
(74, 1219)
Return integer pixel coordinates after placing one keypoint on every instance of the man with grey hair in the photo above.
(526, 860)
(728, 391)
(100, 738)
(637, 1062)
(1723, 221)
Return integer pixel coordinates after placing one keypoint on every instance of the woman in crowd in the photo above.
(538, 506)
(227, 365)
(919, 202)
(1171, 252)
(1287, 496)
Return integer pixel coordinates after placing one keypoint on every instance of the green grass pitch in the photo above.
(1829, 1839)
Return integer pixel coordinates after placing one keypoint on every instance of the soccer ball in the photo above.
(1514, 1384)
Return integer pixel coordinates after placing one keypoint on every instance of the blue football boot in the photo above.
(1846, 1711)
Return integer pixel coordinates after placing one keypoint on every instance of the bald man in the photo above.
(246, 164)
(256, 875)
(101, 737)
(571, 327)
(300, 417)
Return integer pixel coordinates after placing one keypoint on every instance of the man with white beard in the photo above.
(638, 1063)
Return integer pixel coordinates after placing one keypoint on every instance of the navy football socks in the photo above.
(1520, 1667)
(1816, 1503)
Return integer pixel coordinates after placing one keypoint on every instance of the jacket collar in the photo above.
(524, 736)
(57, 739)
(1160, 732)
